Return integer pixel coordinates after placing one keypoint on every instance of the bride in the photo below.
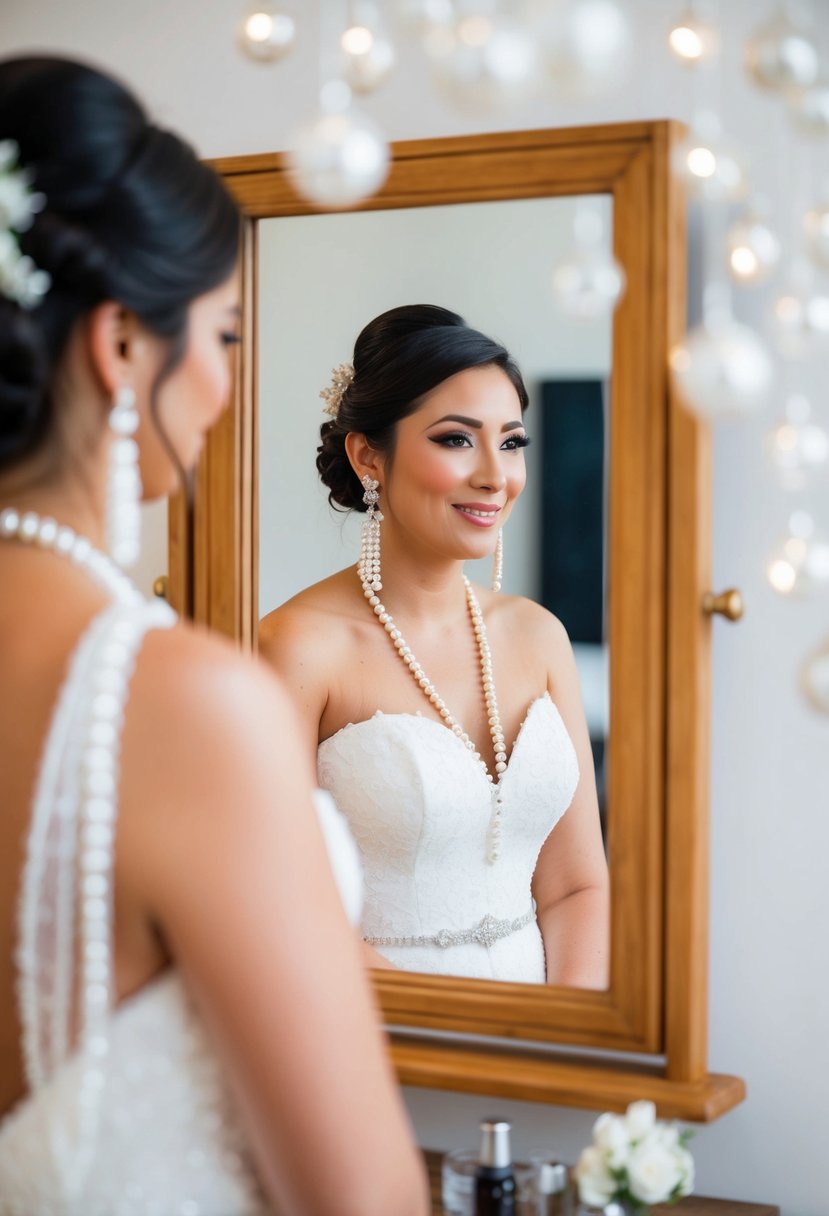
(446, 719)
(185, 1024)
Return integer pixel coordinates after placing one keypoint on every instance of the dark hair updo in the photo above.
(131, 215)
(398, 358)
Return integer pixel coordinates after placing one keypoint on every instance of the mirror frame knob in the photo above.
(728, 603)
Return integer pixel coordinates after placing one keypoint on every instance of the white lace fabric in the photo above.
(127, 1113)
(420, 806)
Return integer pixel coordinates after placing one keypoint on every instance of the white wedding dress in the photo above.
(138, 1120)
(420, 807)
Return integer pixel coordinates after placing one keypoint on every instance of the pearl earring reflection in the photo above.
(498, 561)
(369, 566)
(123, 510)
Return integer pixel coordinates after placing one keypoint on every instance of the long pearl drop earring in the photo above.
(123, 509)
(498, 561)
(369, 566)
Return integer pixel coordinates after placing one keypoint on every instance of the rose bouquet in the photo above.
(635, 1161)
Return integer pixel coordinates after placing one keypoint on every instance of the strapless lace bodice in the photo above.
(166, 1139)
(420, 806)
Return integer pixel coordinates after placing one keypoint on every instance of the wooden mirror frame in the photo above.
(659, 528)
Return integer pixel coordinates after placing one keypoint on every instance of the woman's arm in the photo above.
(237, 879)
(570, 884)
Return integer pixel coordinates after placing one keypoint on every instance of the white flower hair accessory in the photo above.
(20, 279)
(341, 376)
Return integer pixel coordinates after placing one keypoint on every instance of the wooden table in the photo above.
(692, 1205)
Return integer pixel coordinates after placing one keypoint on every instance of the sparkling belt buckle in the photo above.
(488, 930)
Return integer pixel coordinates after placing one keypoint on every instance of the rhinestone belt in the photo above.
(487, 931)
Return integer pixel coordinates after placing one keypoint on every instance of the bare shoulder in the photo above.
(533, 637)
(526, 619)
(199, 706)
(307, 628)
(189, 667)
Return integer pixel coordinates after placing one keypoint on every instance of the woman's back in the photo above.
(127, 1109)
(164, 1128)
(36, 644)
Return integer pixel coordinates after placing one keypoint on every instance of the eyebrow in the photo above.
(473, 422)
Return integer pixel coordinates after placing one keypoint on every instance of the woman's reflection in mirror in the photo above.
(446, 718)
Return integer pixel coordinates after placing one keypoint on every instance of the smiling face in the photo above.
(457, 467)
(192, 397)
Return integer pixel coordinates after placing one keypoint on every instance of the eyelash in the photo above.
(517, 441)
(230, 339)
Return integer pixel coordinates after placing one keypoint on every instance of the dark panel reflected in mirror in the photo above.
(573, 551)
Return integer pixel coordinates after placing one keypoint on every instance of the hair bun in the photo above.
(22, 381)
(344, 490)
(130, 215)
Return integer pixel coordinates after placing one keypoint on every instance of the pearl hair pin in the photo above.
(341, 377)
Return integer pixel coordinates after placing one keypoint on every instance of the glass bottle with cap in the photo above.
(495, 1181)
(553, 1188)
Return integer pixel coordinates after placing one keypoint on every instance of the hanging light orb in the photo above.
(816, 229)
(798, 447)
(799, 319)
(711, 167)
(589, 283)
(339, 157)
(694, 37)
(722, 370)
(266, 33)
(799, 565)
(369, 58)
(814, 678)
(753, 249)
(490, 61)
(587, 45)
(780, 56)
(809, 109)
(425, 18)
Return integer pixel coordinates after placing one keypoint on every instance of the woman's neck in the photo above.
(75, 500)
(427, 590)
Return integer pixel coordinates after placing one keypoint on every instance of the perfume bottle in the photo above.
(553, 1183)
(495, 1181)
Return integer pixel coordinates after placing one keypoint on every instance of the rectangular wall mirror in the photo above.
(476, 224)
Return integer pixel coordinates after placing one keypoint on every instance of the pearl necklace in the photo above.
(88, 730)
(44, 532)
(371, 585)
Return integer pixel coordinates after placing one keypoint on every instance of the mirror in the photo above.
(646, 1035)
(492, 263)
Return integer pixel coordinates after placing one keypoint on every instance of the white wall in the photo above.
(769, 1007)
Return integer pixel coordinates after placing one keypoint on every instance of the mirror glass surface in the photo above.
(321, 278)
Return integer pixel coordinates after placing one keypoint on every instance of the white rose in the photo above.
(653, 1170)
(595, 1182)
(666, 1133)
(639, 1119)
(685, 1165)
(611, 1136)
